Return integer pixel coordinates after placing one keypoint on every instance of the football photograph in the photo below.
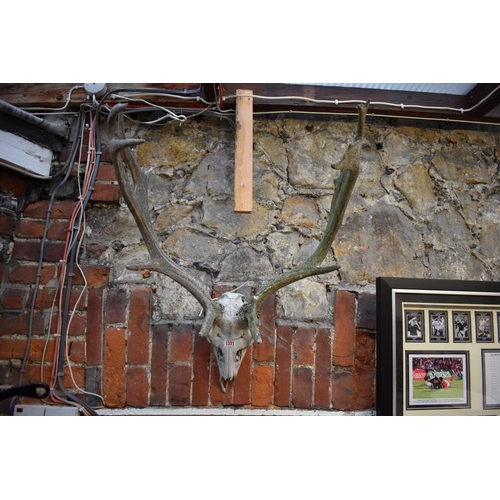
(437, 379)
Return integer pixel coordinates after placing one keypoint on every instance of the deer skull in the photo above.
(230, 337)
(231, 323)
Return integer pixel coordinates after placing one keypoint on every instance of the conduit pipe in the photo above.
(55, 128)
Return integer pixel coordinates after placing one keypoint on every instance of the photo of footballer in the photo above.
(414, 326)
(484, 331)
(439, 326)
(437, 379)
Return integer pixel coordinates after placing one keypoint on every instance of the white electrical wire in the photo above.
(172, 115)
(355, 101)
(51, 110)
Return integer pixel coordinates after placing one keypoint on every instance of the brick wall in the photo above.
(115, 350)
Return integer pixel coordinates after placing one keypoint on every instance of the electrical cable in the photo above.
(373, 103)
(67, 167)
(74, 242)
(67, 272)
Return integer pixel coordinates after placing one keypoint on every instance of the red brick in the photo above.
(179, 385)
(262, 385)
(264, 352)
(27, 274)
(26, 250)
(201, 370)
(78, 375)
(367, 312)
(220, 289)
(58, 230)
(137, 386)
(345, 328)
(95, 326)
(17, 324)
(302, 387)
(60, 209)
(342, 390)
(32, 374)
(65, 153)
(323, 368)
(14, 298)
(94, 251)
(27, 228)
(138, 326)
(106, 172)
(14, 349)
(77, 351)
(282, 383)
(7, 224)
(159, 365)
(44, 298)
(76, 325)
(114, 382)
(105, 193)
(303, 346)
(30, 250)
(364, 372)
(241, 394)
(95, 276)
(78, 299)
(116, 304)
(181, 343)
(11, 181)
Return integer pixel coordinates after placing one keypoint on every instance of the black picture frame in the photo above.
(438, 326)
(457, 300)
(438, 379)
(461, 326)
(414, 326)
(484, 326)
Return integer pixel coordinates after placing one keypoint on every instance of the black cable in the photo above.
(71, 267)
(67, 167)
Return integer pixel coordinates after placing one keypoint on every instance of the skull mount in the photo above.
(230, 337)
(231, 323)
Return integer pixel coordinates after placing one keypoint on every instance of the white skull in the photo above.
(230, 337)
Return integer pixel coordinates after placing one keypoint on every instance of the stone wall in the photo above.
(425, 206)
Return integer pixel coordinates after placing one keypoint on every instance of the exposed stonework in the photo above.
(425, 205)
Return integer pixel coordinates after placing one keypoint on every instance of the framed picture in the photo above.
(414, 321)
(491, 378)
(461, 326)
(438, 321)
(437, 380)
(438, 347)
(484, 331)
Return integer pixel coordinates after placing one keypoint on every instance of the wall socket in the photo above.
(45, 411)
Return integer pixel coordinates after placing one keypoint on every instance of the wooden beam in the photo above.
(243, 174)
(480, 92)
(55, 95)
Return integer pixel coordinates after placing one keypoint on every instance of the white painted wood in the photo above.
(23, 155)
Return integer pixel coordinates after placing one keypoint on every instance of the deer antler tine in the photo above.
(117, 109)
(119, 144)
(134, 190)
(349, 166)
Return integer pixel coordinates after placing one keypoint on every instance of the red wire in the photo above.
(62, 275)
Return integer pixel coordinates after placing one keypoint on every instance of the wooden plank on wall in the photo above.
(243, 176)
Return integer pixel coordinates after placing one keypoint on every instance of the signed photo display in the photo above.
(438, 347)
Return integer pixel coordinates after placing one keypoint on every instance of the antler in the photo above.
(349, 166)
(133, 183)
